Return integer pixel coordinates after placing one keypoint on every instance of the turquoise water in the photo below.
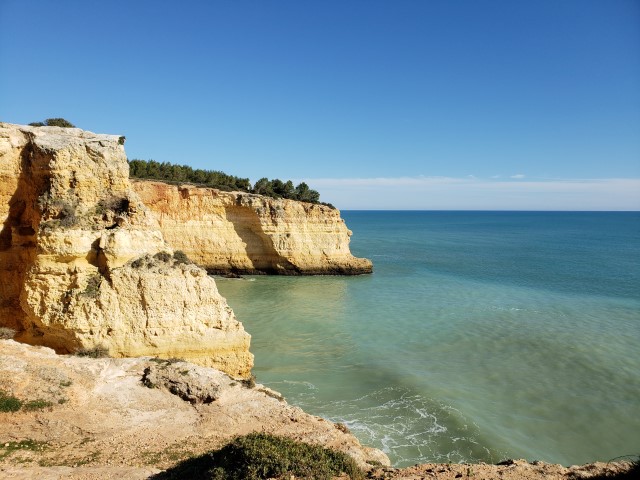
(481, 336)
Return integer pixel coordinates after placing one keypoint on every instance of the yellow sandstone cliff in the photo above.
(84, 264)
(245, 233)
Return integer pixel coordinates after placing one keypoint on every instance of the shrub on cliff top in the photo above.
(261, 455)
(54, 122)
(163, 257)
(181, 258)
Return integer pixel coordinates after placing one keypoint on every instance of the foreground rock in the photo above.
(104, 421)
(244, 233)
(83, 263)
(509, 470)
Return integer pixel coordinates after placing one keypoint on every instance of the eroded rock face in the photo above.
(73, 246)
(244, 233)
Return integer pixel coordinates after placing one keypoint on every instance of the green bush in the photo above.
(140, 262)
(276, 188)
(183, 173)
(163, 257)
(8, 448)
(181, 258)
(9, 403)
(54, 122)
(261, 456)
(36, 405)
(58, 122)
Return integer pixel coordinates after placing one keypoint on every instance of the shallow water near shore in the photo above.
(480, 336)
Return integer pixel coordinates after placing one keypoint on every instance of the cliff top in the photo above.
(55, 138)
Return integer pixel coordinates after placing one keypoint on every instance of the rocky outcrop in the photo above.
(105, 418)
(245, 233)
(84, 264)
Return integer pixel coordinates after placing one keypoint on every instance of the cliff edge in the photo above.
(83, 263)
(246, 233)
(85, 418)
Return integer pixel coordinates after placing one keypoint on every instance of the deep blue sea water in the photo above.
(480, 336)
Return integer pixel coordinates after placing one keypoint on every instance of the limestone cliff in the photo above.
(246, 233)
(84, 264)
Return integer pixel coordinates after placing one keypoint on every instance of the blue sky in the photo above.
(446, 104)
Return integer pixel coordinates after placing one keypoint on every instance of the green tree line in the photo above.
(275, 188)
(183, 173)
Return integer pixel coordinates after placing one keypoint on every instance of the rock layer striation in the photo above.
(246, 233)
(83, 262)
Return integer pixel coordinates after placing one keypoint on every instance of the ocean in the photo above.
(480, 336)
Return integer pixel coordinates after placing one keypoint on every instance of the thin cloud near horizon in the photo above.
(472, 193)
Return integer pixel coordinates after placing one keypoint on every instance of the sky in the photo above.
(404, 104)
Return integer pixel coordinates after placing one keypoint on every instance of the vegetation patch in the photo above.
(58, 212)
(93, 286)
(261, 456)
(53, 122)
(168, 456)
(145, 261)
(167, 361)
(118, 205)
(181, 258)
(9, 448)
(249, 382)
(9, 403)
(36, 405)
(183, 173)
(163, 257)
(275, 188)
(99, 351)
